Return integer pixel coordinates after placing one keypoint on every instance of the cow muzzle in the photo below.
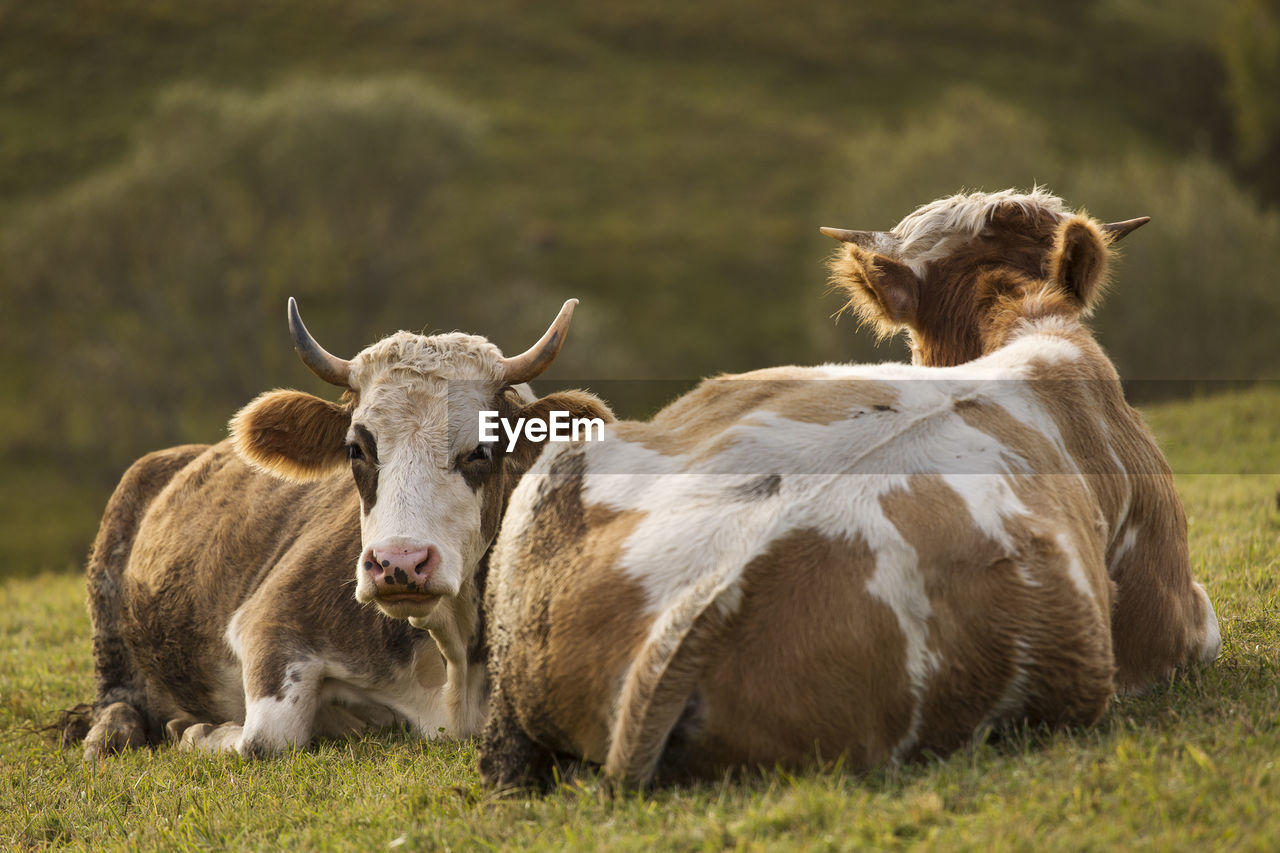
(403, 577)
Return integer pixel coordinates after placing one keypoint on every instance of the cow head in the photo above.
(431, 493)
(956, 273)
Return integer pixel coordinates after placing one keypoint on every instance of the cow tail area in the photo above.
(117, 719)
(662, 681)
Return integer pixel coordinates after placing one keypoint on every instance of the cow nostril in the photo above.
(425, 568)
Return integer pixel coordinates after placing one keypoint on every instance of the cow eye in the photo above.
(354, 453)
(482, 453)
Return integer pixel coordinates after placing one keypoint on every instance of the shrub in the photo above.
(160, 284)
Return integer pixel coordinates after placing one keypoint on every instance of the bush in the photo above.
(161, 284)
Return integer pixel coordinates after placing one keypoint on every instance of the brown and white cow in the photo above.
(221, 581)
(870, 561)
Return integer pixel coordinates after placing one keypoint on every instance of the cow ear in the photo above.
(579, 404)
(292, 435)
(1078, 261)
(882, 292)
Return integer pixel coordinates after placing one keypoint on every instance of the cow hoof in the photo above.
(174, 728)
(207, 737)
(116, 728)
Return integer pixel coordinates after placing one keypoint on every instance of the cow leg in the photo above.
(207, 737)
(1162, 619)
(117, 727)
(509, 758)
(464, 682)
(281, 693)
(281, 699)
(120, 717)
(272, 724)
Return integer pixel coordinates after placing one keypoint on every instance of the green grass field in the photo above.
(1191, 766)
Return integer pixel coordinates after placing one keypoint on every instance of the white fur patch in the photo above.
(990, 501)
(1075, 568)
(898, 583)
(274, 725)
(830, 477)
(422, 707)
(1013, 700)
(1126, 545)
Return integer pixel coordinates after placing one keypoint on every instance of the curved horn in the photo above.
(865, 239)
(537, 358)
(328, 367)
(1117, 230)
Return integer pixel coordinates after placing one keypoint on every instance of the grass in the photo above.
(1190, 766)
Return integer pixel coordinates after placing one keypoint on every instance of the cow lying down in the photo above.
(221, 582)
(867, 561)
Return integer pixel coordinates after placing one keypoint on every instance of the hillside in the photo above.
(171, 172)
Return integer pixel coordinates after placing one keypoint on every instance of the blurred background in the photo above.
(170, 172)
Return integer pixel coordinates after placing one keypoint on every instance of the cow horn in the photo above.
(529, 364)
(1117, 230)
(865, 239)
(328, 367)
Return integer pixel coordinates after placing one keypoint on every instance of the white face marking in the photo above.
(423, 419)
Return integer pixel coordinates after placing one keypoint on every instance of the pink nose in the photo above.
(401, 568)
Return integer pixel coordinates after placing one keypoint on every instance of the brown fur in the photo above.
(1026, 268)
(1087, 588)
(765, 705)
(717, 403)
(883, 293)
(115, 678)
(265, 527)
(557, 640)
(997, 629)
(293, 435)
(962, 304)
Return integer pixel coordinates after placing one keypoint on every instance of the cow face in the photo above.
(431, 493)
(951, 272)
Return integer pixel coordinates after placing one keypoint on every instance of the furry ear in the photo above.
(1078, 261)
(292, 435)
(579, 404)
(882, 292)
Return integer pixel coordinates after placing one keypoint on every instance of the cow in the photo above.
(876, 562)
(225, 611)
